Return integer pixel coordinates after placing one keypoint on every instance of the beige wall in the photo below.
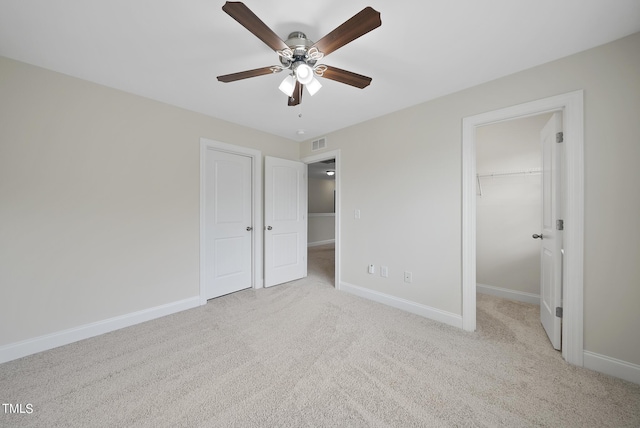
(99, 200)
(403, 171)
(321, 228)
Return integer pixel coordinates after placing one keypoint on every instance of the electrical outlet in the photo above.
(408, 276)
(384, 271)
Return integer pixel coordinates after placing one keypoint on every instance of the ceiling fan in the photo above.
(299, 55)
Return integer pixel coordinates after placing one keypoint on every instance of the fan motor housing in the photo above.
(299, 45)
(298, 41)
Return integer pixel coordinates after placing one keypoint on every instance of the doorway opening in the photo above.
(321, 220)
(324, 216)
(571, 106)
(509, 213)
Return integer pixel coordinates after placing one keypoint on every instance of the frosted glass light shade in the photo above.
(288, 85)
(304, 73)
(313, 86)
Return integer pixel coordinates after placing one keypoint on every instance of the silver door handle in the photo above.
(269, 227)
(249, 228)
(536, 236)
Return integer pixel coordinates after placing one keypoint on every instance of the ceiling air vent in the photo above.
(319, 144)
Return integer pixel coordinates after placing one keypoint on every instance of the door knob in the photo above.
(536, 236)
(269, 227)
(249, 228)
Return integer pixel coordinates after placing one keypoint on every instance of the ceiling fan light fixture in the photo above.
(288, 85)
(299, 55)
(313, 86)
(304, 73)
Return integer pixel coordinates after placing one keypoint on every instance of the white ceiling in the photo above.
(172, 51)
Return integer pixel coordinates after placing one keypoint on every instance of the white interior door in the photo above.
(285, 219)
(228, 223)
(551, 234)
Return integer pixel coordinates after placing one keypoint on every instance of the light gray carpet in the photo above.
(305, 355)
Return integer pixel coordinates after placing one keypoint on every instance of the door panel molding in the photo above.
(572, 106)
(256, 184)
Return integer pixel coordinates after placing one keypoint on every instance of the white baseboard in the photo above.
(611, 366)
(405, 305)
(317, 243)
(519, 296)
(21, 349)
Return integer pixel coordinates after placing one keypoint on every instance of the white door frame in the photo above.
(571, 104)
(256, 191)
(333, 154)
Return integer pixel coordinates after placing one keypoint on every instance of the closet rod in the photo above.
(499, 174)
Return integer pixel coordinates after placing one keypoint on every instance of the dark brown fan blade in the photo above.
(241, 13)
(249, 73)
(348, 77)
(296, 98)
(360, 24)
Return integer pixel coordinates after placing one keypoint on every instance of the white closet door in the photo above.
(228, 216)
(551, 239)
(285, 221)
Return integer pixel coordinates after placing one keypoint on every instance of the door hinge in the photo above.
(560, 137)
(559, 224)
(559, 312)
